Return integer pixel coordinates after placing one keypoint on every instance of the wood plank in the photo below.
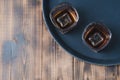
(19, 44)
(118, 72)
(38, 39)
(57, 64)
(6, 35)
(111, 73)
(86, 71)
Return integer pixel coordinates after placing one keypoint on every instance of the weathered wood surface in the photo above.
(27, 51)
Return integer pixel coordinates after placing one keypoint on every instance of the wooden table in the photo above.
(27, 51)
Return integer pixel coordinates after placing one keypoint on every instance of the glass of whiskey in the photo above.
(64, 17)
(96, 36)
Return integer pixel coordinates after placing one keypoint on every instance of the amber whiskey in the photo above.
(97, 36)
(64, 17)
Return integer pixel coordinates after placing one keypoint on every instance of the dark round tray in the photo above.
(105, 11)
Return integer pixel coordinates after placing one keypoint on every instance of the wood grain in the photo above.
(28, 52)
